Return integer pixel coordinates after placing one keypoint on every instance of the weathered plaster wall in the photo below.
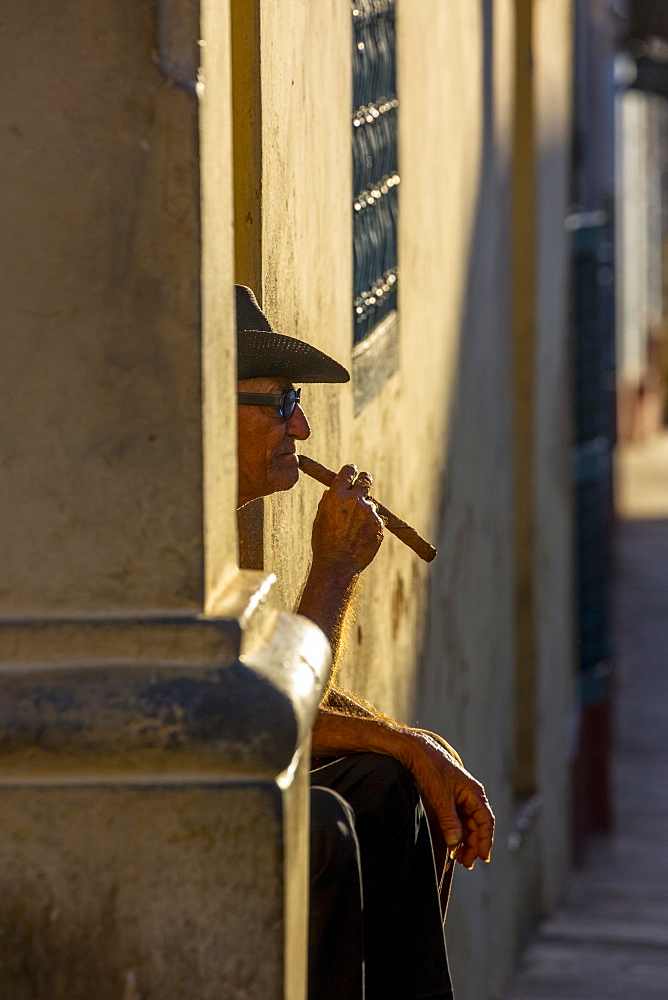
(466, 685)
(401, 435)
(100, 301)
(435, 644)
(306, 253)
(432, 643)
(408, 433)
(217, 280)
(123, 891)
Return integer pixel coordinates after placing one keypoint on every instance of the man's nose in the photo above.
(298, 426)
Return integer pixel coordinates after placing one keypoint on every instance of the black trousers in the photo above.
(375, 929)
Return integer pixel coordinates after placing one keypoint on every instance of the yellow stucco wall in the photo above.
(401, 435)
(100, 297)
(101, 302)
(436, 644)
(217, 280)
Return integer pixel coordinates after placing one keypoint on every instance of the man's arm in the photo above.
(456, 799)
(347, 533)
(327, 599)
(339, 700)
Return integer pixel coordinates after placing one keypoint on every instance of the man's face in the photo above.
(266, 449)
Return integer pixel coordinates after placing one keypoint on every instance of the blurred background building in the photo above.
(489, 263)
(618, 227)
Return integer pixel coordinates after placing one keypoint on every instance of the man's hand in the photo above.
(451, 795)
(347, 531)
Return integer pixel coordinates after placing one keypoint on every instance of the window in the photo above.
(375, 196)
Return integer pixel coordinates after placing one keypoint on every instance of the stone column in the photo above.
(155, 709)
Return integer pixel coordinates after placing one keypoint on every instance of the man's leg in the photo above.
(336, 950)
(404, 946)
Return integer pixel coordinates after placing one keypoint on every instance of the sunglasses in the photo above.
(286, 402)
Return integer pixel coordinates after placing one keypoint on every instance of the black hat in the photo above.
(263, 352)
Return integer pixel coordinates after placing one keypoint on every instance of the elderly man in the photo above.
(376, 923)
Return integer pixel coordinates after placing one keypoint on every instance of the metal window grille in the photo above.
(375, 164)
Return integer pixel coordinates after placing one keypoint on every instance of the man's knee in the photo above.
(383, 797)
(382, 784)
(333, 839)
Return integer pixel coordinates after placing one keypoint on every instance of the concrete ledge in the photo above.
(154, 802)
(126, 892)
(160, 695)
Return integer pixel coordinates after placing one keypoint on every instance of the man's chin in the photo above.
(285, 473)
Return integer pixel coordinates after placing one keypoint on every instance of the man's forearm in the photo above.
(338, 731)
(342, 702)
(335, 733)
(327, 600)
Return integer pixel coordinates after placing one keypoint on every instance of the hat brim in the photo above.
(262, 353)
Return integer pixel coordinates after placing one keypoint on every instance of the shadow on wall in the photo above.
(466, 662)
(467, 686)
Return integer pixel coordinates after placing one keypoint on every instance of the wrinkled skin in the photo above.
(266, 451)
(347, 531)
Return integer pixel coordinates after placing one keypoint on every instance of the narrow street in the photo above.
(609, 939)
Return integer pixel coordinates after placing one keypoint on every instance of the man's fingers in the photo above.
(452, 831)
(363, 482)
(468, 851)
(465, 850)
(477, 808)
(348, 478)
(467, 857)
(484, 832)
(344, 478)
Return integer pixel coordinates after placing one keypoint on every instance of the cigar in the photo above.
(403, 531)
